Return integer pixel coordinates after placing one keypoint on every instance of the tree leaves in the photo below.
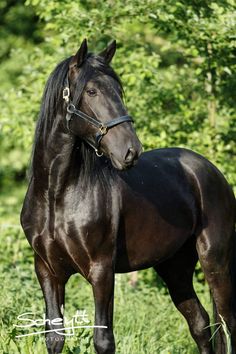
(176, 61)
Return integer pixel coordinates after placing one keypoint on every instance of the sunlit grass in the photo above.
(227, 335)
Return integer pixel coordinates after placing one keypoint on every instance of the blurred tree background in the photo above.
(177, 62)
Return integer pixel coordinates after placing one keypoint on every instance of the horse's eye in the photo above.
(91, 92)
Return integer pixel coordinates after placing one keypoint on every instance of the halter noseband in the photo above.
(103, 128)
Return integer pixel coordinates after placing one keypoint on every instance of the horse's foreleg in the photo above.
(102, 280)
(53, 291)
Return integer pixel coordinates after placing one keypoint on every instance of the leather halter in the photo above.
(103, 128)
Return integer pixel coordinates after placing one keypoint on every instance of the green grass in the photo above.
(145, 322)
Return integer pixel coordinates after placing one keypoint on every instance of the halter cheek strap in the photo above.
(103, 128)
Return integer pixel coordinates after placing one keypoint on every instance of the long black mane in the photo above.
(52, 100)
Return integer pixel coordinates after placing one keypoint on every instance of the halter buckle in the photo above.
(66, 94)
(103, 129)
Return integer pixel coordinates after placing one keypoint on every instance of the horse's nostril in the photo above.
(131, 153)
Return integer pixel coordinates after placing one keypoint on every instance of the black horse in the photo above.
(91, 214)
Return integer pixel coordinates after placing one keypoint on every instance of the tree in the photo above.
(176, 61)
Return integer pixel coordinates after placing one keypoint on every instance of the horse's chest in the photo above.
(77, 216)
(71, 235)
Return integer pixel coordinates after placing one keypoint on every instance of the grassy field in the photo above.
(146, 321)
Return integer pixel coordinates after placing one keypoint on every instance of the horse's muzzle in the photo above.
(130, 158)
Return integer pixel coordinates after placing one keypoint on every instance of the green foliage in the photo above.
(19, 28)
(176, 61)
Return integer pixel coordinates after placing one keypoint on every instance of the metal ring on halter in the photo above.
(70, 108)
(97, 153)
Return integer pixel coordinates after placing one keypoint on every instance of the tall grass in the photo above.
(227, 335)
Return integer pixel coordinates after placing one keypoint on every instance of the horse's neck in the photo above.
(58, 164)
(52, 157)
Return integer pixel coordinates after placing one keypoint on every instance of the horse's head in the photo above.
(95, 109)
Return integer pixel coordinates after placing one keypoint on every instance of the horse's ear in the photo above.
(80, 56)
(109, 52)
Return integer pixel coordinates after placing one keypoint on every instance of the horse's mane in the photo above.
(52, 100)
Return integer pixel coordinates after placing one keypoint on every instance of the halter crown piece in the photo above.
(103, 128)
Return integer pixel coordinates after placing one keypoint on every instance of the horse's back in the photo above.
(175, 171)
(183, 185)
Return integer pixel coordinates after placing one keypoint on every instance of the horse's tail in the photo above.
(233, 273)
(233, 299)
(233, 265)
